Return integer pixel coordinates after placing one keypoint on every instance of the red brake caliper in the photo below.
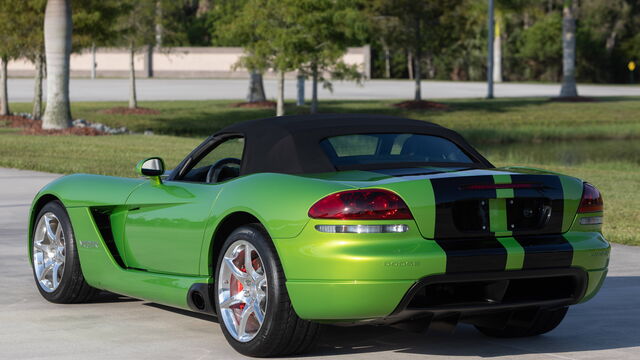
(238, 286)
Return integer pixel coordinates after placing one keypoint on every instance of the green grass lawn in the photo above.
(107, 155)
(498, 120)
(613, 166)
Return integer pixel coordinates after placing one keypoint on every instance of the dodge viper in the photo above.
(278, 226)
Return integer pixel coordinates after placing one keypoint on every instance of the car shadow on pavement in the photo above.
(193, 314)
(609, 321)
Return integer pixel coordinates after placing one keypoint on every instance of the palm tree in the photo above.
(497, 48)
(569, 88)
(37, 90)
(280, 95)
(8, 49)
(57, 42)
(4, 94)
(417, 96)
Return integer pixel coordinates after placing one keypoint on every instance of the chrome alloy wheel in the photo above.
(242, 291)
(49, 252)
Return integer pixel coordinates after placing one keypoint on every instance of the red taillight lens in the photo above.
(361, 205)
(591, 199)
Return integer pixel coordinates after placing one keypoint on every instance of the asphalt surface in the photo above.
(21, 90)
(607, 327)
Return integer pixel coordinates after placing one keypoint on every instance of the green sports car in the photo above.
(281, 225)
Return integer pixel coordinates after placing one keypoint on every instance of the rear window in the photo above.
(349, 151)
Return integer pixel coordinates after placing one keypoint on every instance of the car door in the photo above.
(165, 225)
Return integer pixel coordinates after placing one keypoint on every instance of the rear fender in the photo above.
(279, 201)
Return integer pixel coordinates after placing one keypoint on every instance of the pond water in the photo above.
(569, 153)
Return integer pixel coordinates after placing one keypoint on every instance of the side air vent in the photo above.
(103, 221)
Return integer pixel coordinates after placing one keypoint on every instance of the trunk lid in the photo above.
(498, 205)
(475, 203)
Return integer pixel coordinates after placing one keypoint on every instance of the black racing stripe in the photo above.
(551, 189)
(469, 255)
(446, 192)
(545, 251)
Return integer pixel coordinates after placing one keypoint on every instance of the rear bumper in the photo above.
(473, 293)
(388, 301)
(347, 277)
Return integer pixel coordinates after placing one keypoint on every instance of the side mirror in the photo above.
(152, 168)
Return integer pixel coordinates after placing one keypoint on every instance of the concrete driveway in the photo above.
(206, 89)
(608, 327)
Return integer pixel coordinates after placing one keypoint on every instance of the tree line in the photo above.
(525, 40)
(534, 40)
(454, 45)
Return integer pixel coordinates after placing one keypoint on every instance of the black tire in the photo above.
(282, 332)
(527, 323)
(72, 288)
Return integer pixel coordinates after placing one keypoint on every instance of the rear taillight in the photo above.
(374, 204)
(591, 199)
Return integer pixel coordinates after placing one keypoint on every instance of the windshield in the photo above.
(367, 150)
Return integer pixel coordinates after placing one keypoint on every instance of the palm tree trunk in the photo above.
(256, 87)
(416, 61)
(526, 20)
(490, 56)
(610, 44)
(4, 94)
(37, 90)
(497, 51)
(280, 101)
(410, 64)
(418, 86)
(159, 29)
(203, 7)
(93, 61)
(300, 89)
(133, 98)
(314, 89)
(57, 43)
(569, 88)
(387, 60)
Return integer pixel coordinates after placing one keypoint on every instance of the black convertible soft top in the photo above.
(291, 144)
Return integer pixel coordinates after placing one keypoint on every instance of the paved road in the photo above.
(194, 89)
(608, 327)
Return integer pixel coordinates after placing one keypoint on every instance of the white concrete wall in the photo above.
(106, 61)
(178, 62)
